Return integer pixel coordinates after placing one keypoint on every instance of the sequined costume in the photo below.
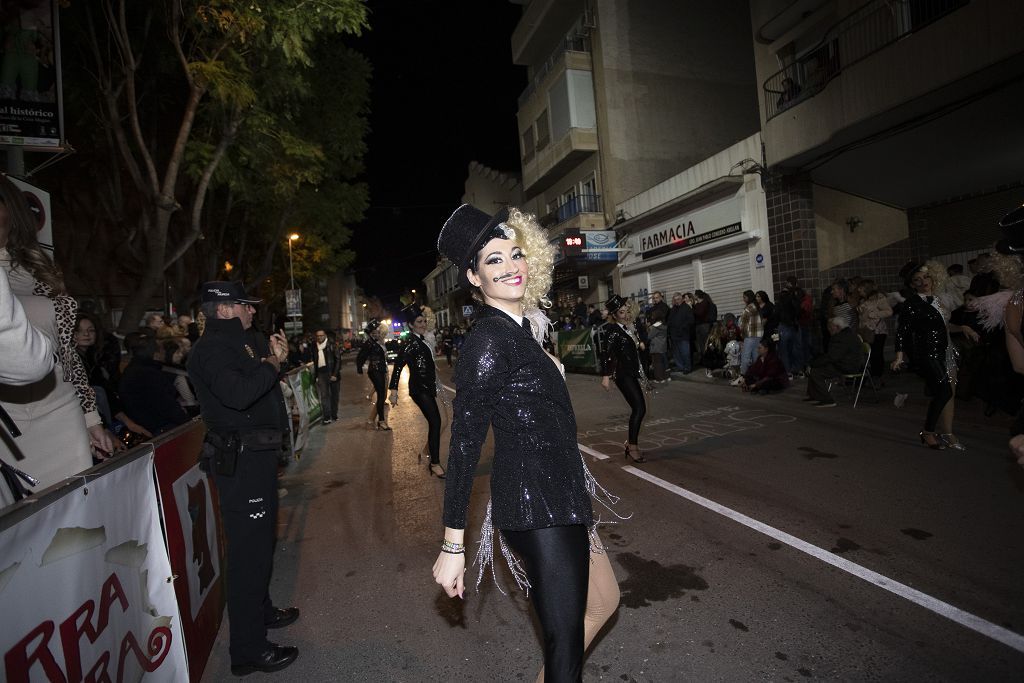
(375, 357)
(923, 336)
(621, 362)
(416, 353)
(505, 381)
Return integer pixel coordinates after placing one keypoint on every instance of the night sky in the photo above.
(444, 93)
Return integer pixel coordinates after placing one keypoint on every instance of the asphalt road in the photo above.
(767, 540)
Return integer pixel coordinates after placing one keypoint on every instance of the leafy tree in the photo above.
(172, 89)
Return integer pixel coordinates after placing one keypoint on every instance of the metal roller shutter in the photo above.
(725, 277)
(634, 284)
(674, 279)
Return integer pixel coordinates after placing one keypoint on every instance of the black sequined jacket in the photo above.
(417, 355)
(921, 332)
(620, 357)
(505, 381)
(375, 358)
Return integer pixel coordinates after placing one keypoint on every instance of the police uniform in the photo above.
(242, 405)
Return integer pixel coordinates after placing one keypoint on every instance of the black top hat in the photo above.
(372, 325)
(411, 312)
(1012, 225)
(222, 290)
(614, 303)
(465, 232)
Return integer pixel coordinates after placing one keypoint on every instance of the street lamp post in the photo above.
(291, 270)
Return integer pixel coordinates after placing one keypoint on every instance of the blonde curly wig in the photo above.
(540, 255)
(1007, 268)
(937, 271)
(428, 315)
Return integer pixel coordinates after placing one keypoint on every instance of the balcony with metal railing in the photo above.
(572, 209)
(868, 30)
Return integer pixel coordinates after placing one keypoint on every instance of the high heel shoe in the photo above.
(382, 426)
(439, 472)
(950, 441)
(629, 454)
(932, 440)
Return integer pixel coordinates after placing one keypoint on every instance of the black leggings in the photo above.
(428, 406)
(934, 373)
(557, 561)
(630, 388)
(379, 386)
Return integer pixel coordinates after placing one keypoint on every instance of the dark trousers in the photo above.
(381, 392)
(328, 392)
(634, 395)
(557, 561)
(817, 381)
(248, 508)
(934, 374)
(427, 403)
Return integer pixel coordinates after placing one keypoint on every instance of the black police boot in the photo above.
(283, 617)
(274, 658)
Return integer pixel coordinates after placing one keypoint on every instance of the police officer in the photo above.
(235, 373)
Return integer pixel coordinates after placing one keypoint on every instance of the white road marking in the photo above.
(591, 452)
(975, 623)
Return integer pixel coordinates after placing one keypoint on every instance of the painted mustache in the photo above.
(506, 276)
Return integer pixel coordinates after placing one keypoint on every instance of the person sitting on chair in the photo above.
(845, 356)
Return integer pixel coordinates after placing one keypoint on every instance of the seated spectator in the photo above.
(845, 356)
(712, 356)
(766, 374)
(147, 392)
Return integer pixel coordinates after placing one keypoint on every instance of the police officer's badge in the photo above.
(248, 349)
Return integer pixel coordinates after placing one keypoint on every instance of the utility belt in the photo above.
(220, 451)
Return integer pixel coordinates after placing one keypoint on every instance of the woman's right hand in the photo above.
(450, 573)
(605, 383)
(897, 364)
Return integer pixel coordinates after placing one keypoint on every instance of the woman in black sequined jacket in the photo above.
(923, 334)
(419, 357)
(506, 382)
(621, 362)
(375, 356)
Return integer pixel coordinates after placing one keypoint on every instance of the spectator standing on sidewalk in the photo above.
(657, 334)
(325, 368)
(235, 373)
(805, 320)
(705, 314)
(750, 328)
(680, 327)
(787, 311)
(147, 392)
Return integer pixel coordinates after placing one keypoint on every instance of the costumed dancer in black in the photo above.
(374, 355)
(621, 363)
(419, 357)
(235, 373)
(540, 486)
(923, 334)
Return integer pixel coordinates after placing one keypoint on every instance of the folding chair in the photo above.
(857, 378)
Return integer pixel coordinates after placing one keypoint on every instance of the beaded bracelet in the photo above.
(453, 552)
(455, 548)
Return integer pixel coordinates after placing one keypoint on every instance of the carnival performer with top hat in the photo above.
(540, 486)
(374, 354)
(621, 364)
(418, 355)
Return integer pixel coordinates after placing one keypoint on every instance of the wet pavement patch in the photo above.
(919, 534)
(811, 453)
(451, 610)
(775, 546)
(844, 545)
(650, 581)
(738, 625)
(781, 655)
(806, 673)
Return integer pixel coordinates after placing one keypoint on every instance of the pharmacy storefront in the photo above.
(718, 242)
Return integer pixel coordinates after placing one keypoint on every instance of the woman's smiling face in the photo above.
(502, 272)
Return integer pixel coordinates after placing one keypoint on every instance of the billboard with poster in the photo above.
(30, 87)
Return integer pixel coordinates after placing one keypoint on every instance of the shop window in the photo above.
(543, 130)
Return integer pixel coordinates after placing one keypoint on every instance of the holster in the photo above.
(220, 453)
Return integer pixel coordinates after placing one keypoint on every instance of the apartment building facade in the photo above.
(622, 96)
(891, 129)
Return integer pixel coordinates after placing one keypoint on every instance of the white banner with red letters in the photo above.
(86, 590)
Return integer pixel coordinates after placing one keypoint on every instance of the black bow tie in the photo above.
(526, 325)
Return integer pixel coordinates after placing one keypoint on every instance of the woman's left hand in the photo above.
(102, 442)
